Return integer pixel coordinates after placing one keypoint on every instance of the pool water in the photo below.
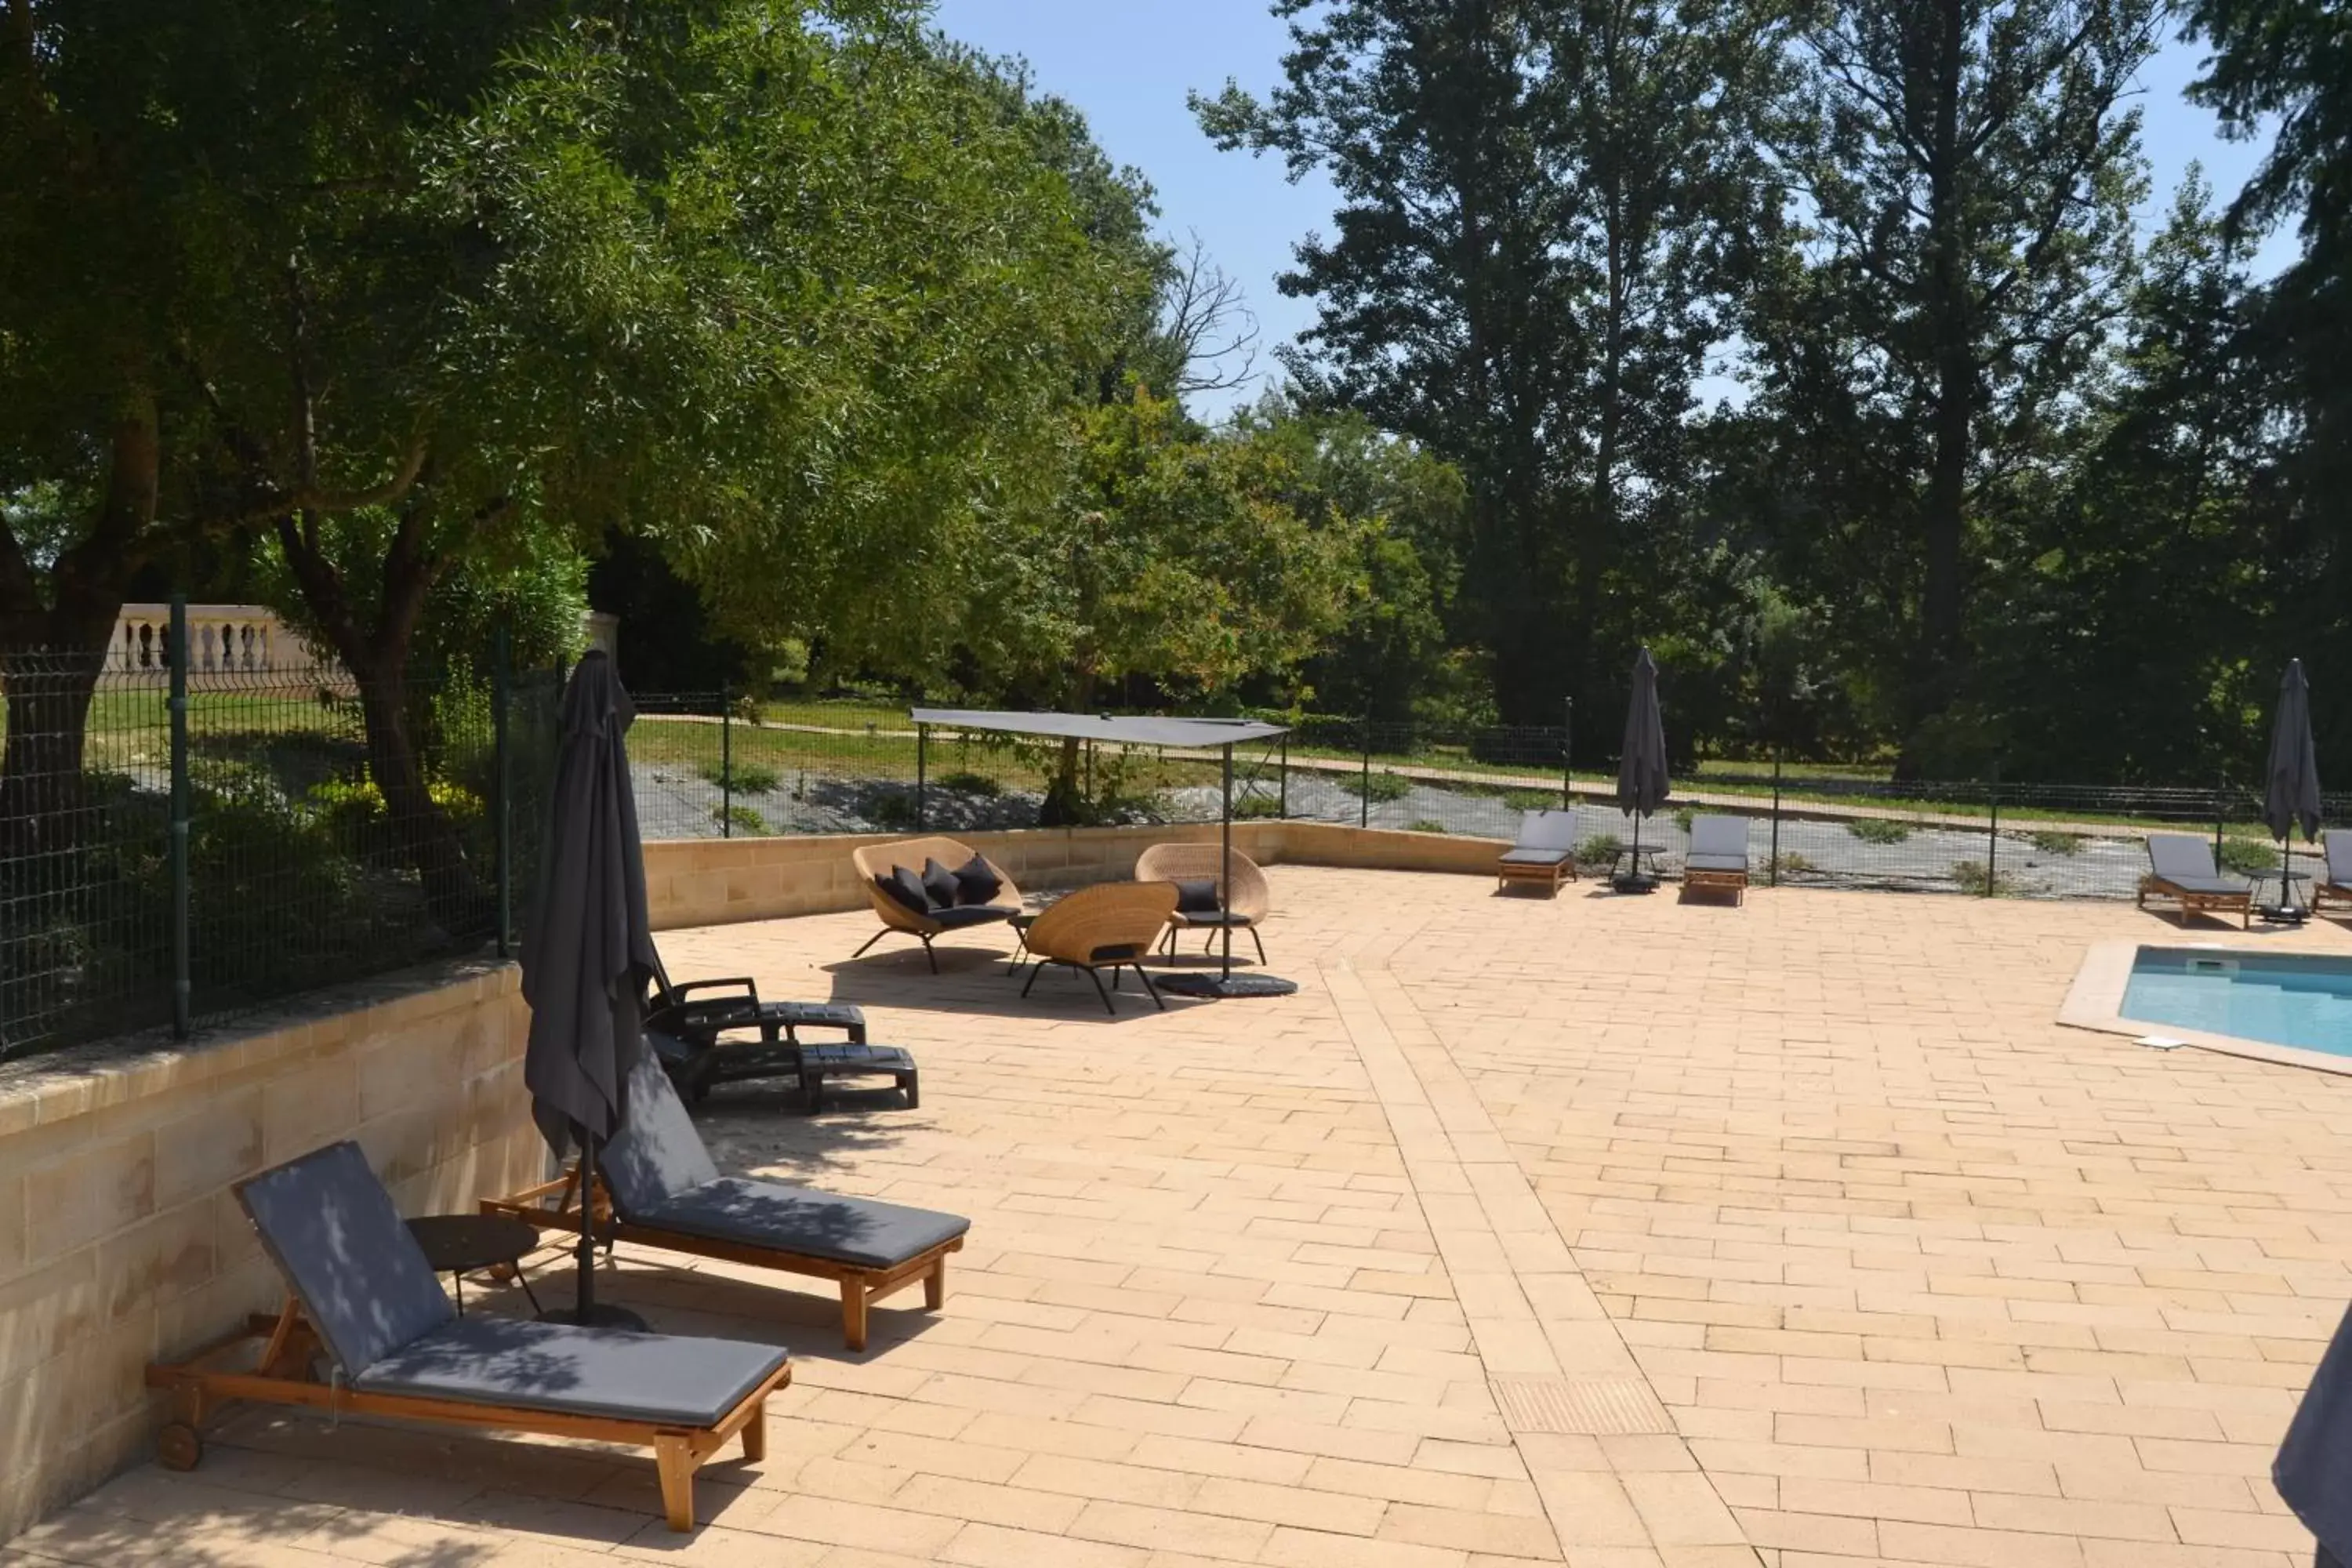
(2286, 1001)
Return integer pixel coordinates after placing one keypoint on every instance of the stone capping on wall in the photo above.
(720, 882)
(120, 1241)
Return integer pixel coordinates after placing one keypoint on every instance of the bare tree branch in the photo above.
(1204, 318)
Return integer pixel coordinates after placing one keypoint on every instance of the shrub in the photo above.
(743, 819)
(1251, 807)
(1879, 829)
(1379, 788)
(1426, 825)
(747, 778)
(2248, 855)
(1791, 864)
(1530, 799)
(1601, 849)
(2050, 841)
(1976, 881)
(968, 782)
(1683, 816)
(891, 811)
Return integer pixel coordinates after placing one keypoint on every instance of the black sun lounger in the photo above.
(666, 1192)
(687, 1024)
(363, 1297)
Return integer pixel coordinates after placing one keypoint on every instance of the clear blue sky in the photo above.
(1128, 63)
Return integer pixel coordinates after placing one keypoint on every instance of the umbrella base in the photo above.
(1633, 884)
(2281, 914)
(1201, 982)
(598, 1317)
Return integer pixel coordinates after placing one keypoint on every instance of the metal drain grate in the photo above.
(1604, 1406)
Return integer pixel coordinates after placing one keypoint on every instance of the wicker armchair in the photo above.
(1111, 925)
(1245, 900)
(876, 860)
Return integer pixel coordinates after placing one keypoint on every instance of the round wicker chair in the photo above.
(876, 860)
(1245, 900)
(1111, 925)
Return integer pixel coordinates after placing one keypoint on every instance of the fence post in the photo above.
(2220, 804)
(1567, 755)
(1774, 869)
(501, 694)
(922, 770)
(1364, 799)
(725, 764)
(182, 978)
(1993, 839)
(1282, 803)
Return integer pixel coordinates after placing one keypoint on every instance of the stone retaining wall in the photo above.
(120, 1239)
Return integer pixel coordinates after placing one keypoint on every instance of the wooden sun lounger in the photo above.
(555, 1205)
(1544, 853)
(1717, 857)
(2181, 868)
(657, 1187)
(363, 1298)
(280, 1374)
(2334, 885)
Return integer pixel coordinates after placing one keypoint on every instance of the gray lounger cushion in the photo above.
(669, 1379)
(1534, 856)
(661, 1176)
(1716, 838)
(1549, 831)
(2186, 860)
(1715, 862)
(2204, 884)
(333, 1232)
(860, 1232)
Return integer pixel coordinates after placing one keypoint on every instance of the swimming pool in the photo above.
(2286, 1000)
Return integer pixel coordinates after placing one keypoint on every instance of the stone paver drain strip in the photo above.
(1617, 1484)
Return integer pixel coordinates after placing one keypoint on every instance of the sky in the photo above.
(1127, 64)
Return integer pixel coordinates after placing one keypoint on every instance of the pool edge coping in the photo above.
(2096, 999)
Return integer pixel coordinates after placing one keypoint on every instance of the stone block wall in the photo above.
(120, 1239)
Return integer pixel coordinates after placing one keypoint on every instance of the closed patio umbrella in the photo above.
(1641, 782)
(2315, 1461)
(2291, 784)
(588, 948)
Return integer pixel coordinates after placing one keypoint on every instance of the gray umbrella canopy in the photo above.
(2291, 788)
(1641, 782)
(588, 947)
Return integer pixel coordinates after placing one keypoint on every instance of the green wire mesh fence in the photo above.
(181, 841)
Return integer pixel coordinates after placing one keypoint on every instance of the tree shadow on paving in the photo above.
(976, 981)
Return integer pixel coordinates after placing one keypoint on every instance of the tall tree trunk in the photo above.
(51, 653)
(1941, 610)
(377, 657)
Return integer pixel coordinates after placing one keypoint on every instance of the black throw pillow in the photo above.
(906, 888)
(1197, 896)
(939, 885)
(975, 883)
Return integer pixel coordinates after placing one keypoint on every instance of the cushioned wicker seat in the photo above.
(875, 861)
(1112, 925)
(1244, 902)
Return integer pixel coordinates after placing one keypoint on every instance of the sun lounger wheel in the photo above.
(179, 1446)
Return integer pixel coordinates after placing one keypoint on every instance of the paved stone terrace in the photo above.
(1623, 1232)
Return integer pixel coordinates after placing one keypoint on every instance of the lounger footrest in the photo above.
(818, 1063)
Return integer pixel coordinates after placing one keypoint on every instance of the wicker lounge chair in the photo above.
(1112, 925)
(364, 1299)
(1718, 855)
(2334, 882)
(659, 1185)
(878, 860)
(2181, 868)
(1245, 901)
(687, 1025)
(1544, 853)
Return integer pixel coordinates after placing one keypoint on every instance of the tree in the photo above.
(1968, 182)
(1545, 207)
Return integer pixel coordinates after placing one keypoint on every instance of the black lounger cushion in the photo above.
(330, 1227)
(1196, 896)
(1535, 856)
(656, 1153)
(977, 882)
(857, 1231)
(906, 888)
(940, 886)
(670, 1379)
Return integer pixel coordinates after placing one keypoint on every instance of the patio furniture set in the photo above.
(1545, 855)
(2181, 868)
(925, 888)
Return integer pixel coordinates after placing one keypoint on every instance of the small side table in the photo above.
(462, 1244)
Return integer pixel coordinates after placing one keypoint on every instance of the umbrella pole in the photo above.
(583, 1293)
(1225, 869)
